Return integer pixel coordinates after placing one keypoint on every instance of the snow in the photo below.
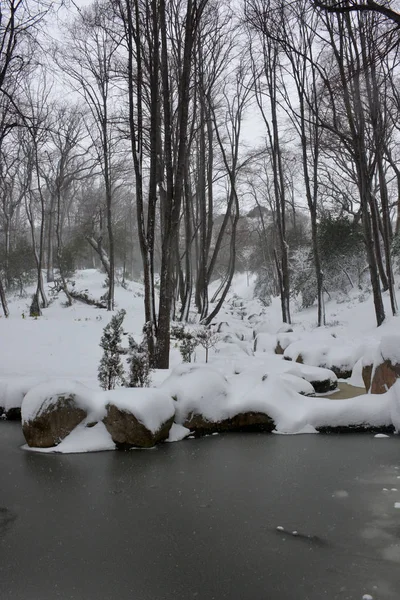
(81, 439)
(12, 392)
(356, 379)
(177, 433)
(42, 397)
(197, 389)
(265, 342)
(151, 406)
(390, 348)
(202, 390)
(60, 352)
(324, 351)
(305, 429)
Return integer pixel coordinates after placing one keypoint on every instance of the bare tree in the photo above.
(19, 20)
(87, 59)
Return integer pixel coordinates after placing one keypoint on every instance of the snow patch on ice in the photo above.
(81, 439)
(177, 433)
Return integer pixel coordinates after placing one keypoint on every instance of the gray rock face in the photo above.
(127, 431)
(51, 425)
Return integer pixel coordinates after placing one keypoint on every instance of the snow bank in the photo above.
(13, 392)
(292, 412)
(151, 406)
(198, 389)
(201, 390)
(356, 378)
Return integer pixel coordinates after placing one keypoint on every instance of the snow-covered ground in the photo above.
(64, 343)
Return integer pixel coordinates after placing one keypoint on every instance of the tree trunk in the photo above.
(3, 299)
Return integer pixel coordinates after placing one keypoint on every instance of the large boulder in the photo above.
(198, 390)
(206, 402)
(51, 410)
(138, 417)
(59, 414)
(386, 366)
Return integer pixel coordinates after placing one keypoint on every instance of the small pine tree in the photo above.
(188, 341)
(111, 370)
(139, 364)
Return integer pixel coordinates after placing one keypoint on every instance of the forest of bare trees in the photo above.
(178, 142)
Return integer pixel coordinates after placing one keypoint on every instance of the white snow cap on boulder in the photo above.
(151, 406)
(40, 399)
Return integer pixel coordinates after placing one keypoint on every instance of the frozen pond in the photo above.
(198, 520)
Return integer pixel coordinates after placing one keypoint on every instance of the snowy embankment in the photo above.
(194, 398)
(245, 385)
(203, 391)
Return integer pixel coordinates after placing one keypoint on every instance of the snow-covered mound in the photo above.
(12, 392)
(202, 392)
(330, 353)
(198, 389)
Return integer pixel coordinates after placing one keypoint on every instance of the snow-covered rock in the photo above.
(265, 342)
(331, 353)
(51, 410)
(300, 385)
(197, 389)
(205, 402)
(139, 417)
(283, 340)
(322, 380)
(386, 365)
